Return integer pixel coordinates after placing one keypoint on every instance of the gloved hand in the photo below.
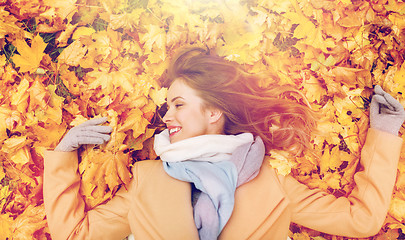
(386, 113)
(86, 133)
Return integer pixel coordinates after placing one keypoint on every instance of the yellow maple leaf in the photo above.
(395, 6)
(138, 144)
(397, 209)
(3, 60)
(14, 143)
(352, 76)
(65, 9)
(64, 37)
(21, 156)
(100, 79)
(279, 160)
(38, 96)
(158, 96)
(313, 89)
(399, 79)
(135, 122)
(305, 26)
(8, 23)
(102, 170)
(5, 223)
(347, 2)
(30, 221)
(49, 136)
(54, 108)
(20, 97)
(2, 175)
(79, 119)
(4, 115)
(398, 21)
(126, 20)
(82, 31)
(73, 54)
(29, 58)
(154, 36)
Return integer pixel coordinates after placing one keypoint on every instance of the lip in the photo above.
(170, 128)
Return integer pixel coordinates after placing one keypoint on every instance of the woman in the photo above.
(211, 181)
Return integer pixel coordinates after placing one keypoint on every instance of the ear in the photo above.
(214, 115)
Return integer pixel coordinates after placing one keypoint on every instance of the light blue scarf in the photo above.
(217, 180)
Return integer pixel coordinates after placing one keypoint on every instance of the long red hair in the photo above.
(282, 122)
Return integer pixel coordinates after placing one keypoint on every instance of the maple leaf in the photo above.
(39, 96)
(101, 169)
(314, 89)
(399, 79)
(21, 156)
(73, 54)
(5, 224)
(279, 160)
(5, 113)
(397, 209)
(2, 175)
(72, 83)
(116, 51)
(395, 6)
(82, 31)
(19, 98)
(65, 9)
(14, 143)
(30, 221)
(158, 96)
(126, 20)
(65, 35)
(50, 136)
(154, 36)
(9, 24)
(135, 122)
(352, 76)
(29, 58)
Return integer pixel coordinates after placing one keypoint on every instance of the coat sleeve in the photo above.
(65, 208)
(363, 212)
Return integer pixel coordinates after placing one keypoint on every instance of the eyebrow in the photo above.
(174, 99)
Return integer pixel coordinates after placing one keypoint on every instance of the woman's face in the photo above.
(186, 117)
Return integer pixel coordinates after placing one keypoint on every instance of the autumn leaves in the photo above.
(65, 61)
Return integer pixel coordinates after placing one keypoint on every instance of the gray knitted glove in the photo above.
(86, 133)
(386, 113)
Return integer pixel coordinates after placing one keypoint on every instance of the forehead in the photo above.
(180, 89)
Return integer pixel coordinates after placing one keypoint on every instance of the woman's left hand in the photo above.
(386, 113)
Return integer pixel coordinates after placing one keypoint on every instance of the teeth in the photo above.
(174, 130)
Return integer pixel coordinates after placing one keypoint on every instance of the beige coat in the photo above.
(157, 206)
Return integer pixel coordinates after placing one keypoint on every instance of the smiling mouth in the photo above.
(174, 130)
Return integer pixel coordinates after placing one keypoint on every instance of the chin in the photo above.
(174, 139)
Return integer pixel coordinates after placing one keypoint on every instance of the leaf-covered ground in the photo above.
(65, 61)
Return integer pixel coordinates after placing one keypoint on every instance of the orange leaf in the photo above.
(73, 54)
(5, 226)
(30, 57)
(30, 221)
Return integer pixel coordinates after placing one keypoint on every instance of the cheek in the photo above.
(191, 121)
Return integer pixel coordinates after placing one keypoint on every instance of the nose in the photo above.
(167, 117)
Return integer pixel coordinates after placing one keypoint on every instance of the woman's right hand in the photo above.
(386, 113)
(88, 132)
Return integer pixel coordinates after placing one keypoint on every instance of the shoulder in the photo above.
(148, 164)
(147, 167)
(152, 173)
